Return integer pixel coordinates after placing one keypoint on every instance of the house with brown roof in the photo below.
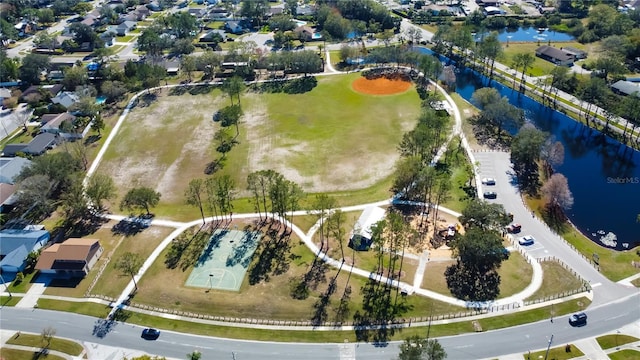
(304, 32)
(73, 257)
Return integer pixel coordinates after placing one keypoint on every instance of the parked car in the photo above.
(579, 319)
(526, 240)
(489, 181)
(490, 195)
(513, 228)
(150, 334)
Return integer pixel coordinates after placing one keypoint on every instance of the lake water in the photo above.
(531, 35)
(603, 174)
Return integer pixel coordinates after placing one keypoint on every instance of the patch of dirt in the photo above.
(436, 246)
(380, 86)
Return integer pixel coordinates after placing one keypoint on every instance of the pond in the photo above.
(530, 35)
(603, 174)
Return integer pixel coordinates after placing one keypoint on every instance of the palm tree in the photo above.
(526, 62)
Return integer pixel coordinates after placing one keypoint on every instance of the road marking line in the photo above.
(347, 351)
(595, 285)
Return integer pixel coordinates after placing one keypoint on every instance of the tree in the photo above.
(183, 46)
(73, 202)
(9, 67)
(75, 76)
(151, 42)
(526, 149)
(224, 140)
(34, 194)
(418, 348)
(320, 209)
(233, 86)
(32, 66)
(484, 215)
(474, 277)
(140, 198)
(188, 65)
(100, 188)
(195, 355)
(556, 192)
(552, 153)
(255, 11)
(45, 40)
(490, 49)
(97, 124)
(129, 264)
(47, 335)
(83, 33)
(113, 90)
(194, 195)
(525, 60)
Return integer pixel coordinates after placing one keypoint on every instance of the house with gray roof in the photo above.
(10, 168)
(4, 94)
(66, 99)
(16, 244)
(624, 87)
(37, 146)
(555, 55)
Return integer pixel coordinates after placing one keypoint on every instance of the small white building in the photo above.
(360, 238)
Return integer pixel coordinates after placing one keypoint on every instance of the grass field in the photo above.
(614, 340)
(307, 137)
(627, 354)
(556, 280)
(515, 275)
(539, 67)
(558, 353)
(271, 299)
(62, 345)
(13, 354)
(111, 282)
(85, 308)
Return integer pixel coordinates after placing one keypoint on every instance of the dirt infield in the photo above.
(380, 86)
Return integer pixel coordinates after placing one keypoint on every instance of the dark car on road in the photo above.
(579, 319)
(150, 334)
(490, 195)
(513, 228)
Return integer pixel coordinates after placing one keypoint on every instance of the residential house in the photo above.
(555, 55)
(485, 3)
(71, 258)
(305, 9)
(55, 75)
(33, 91)
(172, 67)
(547, 10)
(65, 98)
(10, 168)
(361, 235)
(218, 13)
(91, 21)
(4, 94)
(199, 13)
(492, 10)
(123, 28)
(213, 36)
(624, 87)
(577, 53)
(54, 125)
(37, 146)
(304, 32)
(234, 27)
(154, 6)
(16, 244)
(25, 28)
(7, 197)
(142, 12)
(275, 10)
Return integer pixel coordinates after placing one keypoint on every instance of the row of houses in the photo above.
(72, 258)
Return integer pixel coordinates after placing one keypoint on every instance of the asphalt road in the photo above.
(489, 344)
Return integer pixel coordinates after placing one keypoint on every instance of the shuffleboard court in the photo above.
(225, 260)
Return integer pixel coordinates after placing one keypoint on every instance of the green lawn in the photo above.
(13, 354)
(9, 301)
(62, 345)
(557, 353)
(308, 137)
(85, 308)
(25, 284)
(626, 354)
(125, 38)
(556, 280)
(540, 67)
(615, 340)
(515, 276)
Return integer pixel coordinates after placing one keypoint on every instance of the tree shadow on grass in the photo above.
(201, 89)
(274, 256)
(293, 86)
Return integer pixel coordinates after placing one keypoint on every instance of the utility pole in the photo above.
(548, 347)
